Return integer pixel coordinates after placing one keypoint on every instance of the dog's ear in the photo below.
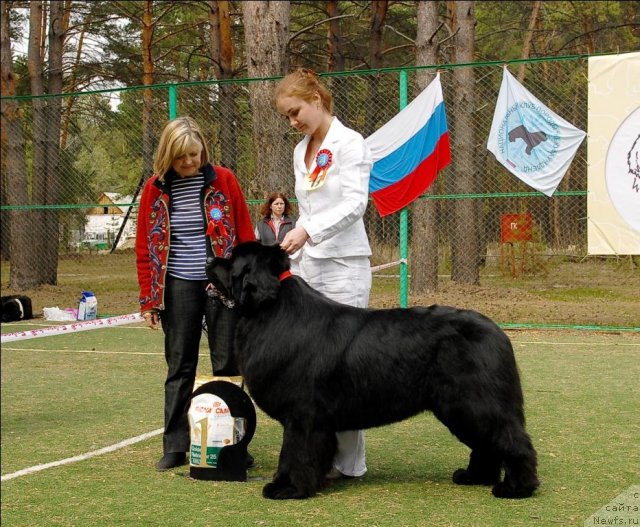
(278, 258)
(255, 274)
(219, 274)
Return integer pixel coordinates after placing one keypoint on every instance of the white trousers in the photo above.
(348, 281)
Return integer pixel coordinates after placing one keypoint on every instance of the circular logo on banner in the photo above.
(622, 170)
(528, 137)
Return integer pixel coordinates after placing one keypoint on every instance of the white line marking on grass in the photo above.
(82, 457)
(576, 343)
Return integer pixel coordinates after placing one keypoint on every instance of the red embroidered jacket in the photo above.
(226, 217)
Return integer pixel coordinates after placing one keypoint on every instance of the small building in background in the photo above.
(104, 222)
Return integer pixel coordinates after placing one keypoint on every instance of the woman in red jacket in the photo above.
(189, 210)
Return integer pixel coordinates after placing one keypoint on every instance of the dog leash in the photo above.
(214, 292)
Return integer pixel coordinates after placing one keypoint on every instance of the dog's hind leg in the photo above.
(505, 444)
(484, 468)
(305, 458)
(520, 461)
(485, 462)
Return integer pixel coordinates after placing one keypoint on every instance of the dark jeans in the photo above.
(186, 302)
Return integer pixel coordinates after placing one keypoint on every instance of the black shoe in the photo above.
(250, 461)
(171, 460)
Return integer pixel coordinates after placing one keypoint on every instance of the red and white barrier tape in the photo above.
(85, 325)
(121, 320)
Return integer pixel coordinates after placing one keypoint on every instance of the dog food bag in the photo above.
(212, 428)
(88, 306)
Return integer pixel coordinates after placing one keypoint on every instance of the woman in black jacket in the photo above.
(276, 220)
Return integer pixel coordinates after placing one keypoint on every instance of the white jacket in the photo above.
(332, 214)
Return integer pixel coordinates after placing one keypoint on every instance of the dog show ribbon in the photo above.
(216, 227)
(315, 179)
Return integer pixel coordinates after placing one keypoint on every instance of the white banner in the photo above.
(613, 200)
(531, 141)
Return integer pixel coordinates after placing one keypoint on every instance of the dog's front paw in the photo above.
(275, 491)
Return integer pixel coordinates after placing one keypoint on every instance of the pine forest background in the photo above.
(88, 86)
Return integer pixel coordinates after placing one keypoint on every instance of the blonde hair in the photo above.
(304, 84)
(177, 137)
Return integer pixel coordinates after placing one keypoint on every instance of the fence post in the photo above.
(173, 102)
(404, 214)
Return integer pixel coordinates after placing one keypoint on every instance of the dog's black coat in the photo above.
(318, 367)
(16, 307)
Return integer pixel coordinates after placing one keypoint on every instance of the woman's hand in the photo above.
(152, 318)
(294, 240)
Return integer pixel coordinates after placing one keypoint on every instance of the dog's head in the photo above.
(251, 277)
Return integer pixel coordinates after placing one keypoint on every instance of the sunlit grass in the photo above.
(576, 293)
(61, 401)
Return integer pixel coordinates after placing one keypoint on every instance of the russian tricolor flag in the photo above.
(409, 151)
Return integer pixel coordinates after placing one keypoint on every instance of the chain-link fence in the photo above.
(107, 144)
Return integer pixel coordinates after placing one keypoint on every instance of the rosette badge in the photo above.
(216, 227)
(324, 158)
(316, 178)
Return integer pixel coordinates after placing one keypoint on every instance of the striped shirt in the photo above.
(188, 249)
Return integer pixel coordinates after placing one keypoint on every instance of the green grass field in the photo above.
(68, 395)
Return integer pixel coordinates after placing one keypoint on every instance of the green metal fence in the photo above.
(103, 161)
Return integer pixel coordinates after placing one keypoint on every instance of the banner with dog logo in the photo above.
(531, 141)
(613, 178)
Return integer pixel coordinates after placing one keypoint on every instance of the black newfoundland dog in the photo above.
(318, 367)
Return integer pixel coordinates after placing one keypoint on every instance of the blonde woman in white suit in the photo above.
(329, 246)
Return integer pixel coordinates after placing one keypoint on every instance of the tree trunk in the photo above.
(378, 18)
(9, 116)
(147, 94)
(334, 38)
(335, 61)
(424, 226)
(72, 84)
(222, 55)
(526, 47)
(52, 176)
(375, 225)
(465, 258)
(266, 28)
(37, 238)
(17, 230)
